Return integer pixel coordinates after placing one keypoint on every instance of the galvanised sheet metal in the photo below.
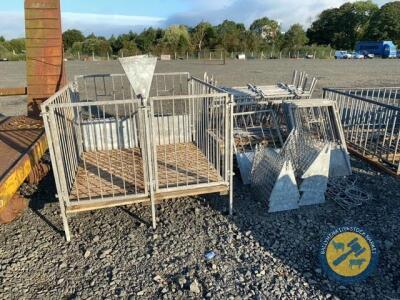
(44, 51)
(139, 70)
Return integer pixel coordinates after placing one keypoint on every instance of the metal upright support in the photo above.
(150, 159)
(231, 144)
(56, 173)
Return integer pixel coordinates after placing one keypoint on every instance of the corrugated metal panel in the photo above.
(44, 51)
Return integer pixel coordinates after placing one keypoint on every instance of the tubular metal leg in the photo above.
(65, 221)
(231, 202)
(231, 191)
(153, 210)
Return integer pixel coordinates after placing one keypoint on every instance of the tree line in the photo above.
(337, 28)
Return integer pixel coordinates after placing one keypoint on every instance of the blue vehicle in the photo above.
(384, 49)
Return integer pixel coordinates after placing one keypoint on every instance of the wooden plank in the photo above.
(17, 175)
(191, 192)
(16, 91)
(42, 24)
(42, 69)
(107, 204)
(44, 42)
(372, 161)
(48, 79)
(43, 89)
(38, 13)
(159, 197)
(35, 4)
(44, 52)
(179, 165)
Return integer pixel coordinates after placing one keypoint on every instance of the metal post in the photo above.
(58, 167)
(231, 145)
(150, 161)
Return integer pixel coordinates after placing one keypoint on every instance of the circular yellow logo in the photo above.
(348, 254)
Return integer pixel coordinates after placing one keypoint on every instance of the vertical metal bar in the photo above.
(56, 171)
(150, 160)
(230, 147)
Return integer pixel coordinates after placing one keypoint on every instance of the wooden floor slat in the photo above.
(120, 172)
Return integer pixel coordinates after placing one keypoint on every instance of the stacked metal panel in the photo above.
(314, 151)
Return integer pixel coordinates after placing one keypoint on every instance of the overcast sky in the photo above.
(106, 17)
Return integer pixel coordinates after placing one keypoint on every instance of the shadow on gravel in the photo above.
(45, 194)
(135, 216)
(293, 238)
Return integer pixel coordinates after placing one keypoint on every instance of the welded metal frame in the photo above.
(72, 133)
(371, 123)
(299, 88)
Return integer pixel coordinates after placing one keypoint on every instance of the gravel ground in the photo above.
(115, 254)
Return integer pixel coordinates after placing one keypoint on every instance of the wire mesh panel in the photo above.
(256, 127)
(275, 173)
(371, 123)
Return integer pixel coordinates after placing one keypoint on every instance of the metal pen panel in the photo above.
(370, 123)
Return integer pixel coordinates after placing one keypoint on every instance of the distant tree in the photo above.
(231, 35)
(126, 41)
(91, 36)
(176, 38)
(16, 45)
(129, 48)
(266, 28)
(116, 44)
(324, 28)
(295, 37)
(203, 36)
(385, 23)
(76, 48)
(2, 39)
(97, 46)
(72, 36)
(342, 27)
(4, 52)
(147, 40)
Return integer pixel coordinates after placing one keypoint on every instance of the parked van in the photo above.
(341, 54)
(384, 49)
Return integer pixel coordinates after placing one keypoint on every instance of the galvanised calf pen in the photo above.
(371, 123)
(109, 148)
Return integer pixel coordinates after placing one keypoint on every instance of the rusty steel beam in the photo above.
(44, 52)
(16, 91)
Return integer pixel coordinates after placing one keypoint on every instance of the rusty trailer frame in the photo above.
(111, 152)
